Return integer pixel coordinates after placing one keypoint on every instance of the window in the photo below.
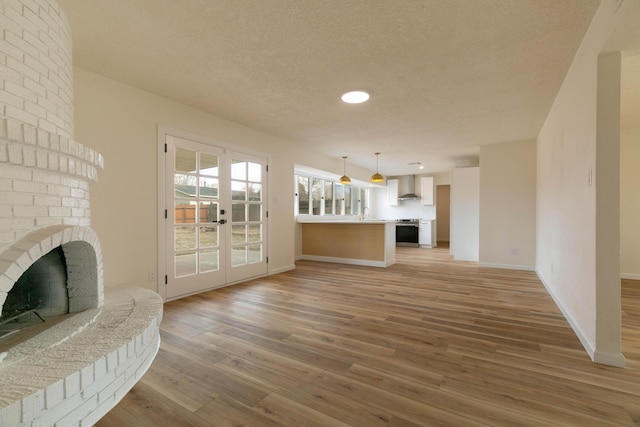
(339, 202)
(317, 191)
(303, 195)
(346, 200)
(318, 196)
(329, 205)
(355, 201)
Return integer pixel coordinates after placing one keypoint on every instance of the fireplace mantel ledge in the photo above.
(77, 370)
(25, 145)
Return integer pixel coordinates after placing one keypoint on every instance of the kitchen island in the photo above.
(359, 242)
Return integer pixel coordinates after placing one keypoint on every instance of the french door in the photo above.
(215, 226)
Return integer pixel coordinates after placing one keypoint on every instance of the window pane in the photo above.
(208, 188)
(255, 233)
(364, 196)
(303, 195)
(254, 253)
(238, 190)
(208, 212)
(238, 256)
(255, 192)
(208, 237)
(208, 260)
(184, 212)
(185, 160)
(184, 238)
(255, 172)
(208, 164)
(184, 185)
(317, 185)
(185, 264)
(255, 212)
(238, 170)
(238, 213)
(339, 199)
(355, 201)
(347, 200)
(328, 198)
(238, 234)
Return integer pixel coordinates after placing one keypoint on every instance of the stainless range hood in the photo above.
(406, 187)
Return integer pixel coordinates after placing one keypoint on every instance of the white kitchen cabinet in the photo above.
(392, 192)
(426, 187)
(427, 234)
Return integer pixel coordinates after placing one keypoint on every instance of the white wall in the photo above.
(630, 204)
(508, 205)
(575, 258)
(465, 214)
(121, 122)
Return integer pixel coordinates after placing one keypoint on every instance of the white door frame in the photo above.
(163, 131)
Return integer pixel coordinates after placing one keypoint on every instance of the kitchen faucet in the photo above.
(365, 211)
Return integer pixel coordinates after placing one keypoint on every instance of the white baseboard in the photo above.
(617, 360)
(352, 261)
(610, 359)
(583, 339)
(282, 269)
(630, 276)
(507, 266)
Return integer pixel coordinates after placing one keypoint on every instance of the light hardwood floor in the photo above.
(425, 342)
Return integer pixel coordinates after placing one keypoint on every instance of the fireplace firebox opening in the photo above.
(61, 282)
(42, 288)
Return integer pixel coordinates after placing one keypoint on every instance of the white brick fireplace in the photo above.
(73, 372)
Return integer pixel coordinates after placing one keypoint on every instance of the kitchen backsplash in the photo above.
(406, 209)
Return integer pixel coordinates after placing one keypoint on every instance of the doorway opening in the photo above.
(443, 214)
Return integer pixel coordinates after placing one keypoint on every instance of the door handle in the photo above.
(222, 221)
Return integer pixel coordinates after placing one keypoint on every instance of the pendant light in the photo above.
(344, 179)
(376, 177)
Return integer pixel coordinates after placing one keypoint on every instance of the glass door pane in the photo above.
(248, 218)
(196, 212)
(194, 255)
(246, 190)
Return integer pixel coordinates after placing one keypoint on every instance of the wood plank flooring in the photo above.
(426, 342)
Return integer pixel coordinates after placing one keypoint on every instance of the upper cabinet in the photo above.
(392, 192)
(426, 187)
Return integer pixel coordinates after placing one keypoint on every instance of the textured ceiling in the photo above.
(445, 76)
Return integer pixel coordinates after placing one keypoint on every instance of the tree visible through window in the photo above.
(303, 195)
(317, 191)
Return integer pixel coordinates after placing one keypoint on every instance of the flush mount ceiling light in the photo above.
(355, 97)
(344, 179)
(376, 177)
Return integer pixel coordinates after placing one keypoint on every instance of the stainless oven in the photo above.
(407, 232)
